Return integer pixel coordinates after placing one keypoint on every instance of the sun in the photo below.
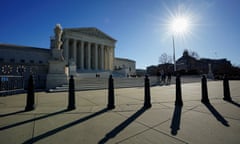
(180, 25)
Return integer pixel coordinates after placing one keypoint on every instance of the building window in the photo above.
(40, 62)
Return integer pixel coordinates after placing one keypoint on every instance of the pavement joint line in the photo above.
(131, 97)
(207, 113)
(87, 100)
(152, 128)
(143, 131)
(174, 137)
(33, 130)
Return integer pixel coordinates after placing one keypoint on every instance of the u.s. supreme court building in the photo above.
(81, 52)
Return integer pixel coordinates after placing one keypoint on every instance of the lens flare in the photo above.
(180, 25)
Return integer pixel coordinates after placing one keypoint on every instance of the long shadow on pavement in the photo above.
(12, 113)
(216, 114)
(31, 120)
(234, 103)
(175, 125)
(56, 130)
(122, 126)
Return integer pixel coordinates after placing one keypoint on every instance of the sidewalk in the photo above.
(128, 123)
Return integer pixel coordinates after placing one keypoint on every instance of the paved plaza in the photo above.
(129, 123)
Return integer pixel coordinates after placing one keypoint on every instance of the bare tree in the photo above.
(164, 58)
(194, 54)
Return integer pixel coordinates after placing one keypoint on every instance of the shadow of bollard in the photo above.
(110, 93)
(71, 94)
(147, 96)
(30, 95)
(113, 133)
(176, 120)
(178, 101)
(216, 114)
(204, 90)
(226, 89)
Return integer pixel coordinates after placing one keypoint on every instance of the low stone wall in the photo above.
(102, 83)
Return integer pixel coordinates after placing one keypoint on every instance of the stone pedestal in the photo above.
(72, 67)
(56, 74)
(210, 74)
(57, 54)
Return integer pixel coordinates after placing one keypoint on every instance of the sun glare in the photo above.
(180, 25)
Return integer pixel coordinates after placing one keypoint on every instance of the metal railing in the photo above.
(10, 84)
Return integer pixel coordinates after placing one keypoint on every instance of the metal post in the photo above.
(174, 61)
(110, 93)
(178, 101)
(71, 94)
(30, 95)
(226, 89)
(204, 90)
(147, 97)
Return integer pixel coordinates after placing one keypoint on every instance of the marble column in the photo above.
(74, 52)
(66, 46)
(89, 56)
(96, 57)
(79, 54)
(107, 58)
(82, 55)
(102, 57)
(110, 58)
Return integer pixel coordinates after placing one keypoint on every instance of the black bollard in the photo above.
(178, 101)
(204, 90)
(30, 95)
(110, 93)
(71, 94)
(226, 89)
(147, 96)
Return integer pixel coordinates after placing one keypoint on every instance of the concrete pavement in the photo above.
(91, 122)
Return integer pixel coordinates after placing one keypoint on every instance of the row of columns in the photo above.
(87, 55)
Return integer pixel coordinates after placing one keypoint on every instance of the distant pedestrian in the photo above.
(158, 77)
(162, 76)
(169, 78)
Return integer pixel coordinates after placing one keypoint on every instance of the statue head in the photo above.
(58, 30)
(58, 35)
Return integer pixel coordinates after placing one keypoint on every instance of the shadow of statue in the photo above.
(176, 120)
(122, 126)
(31, 120)
(216, 114)
(71, 124)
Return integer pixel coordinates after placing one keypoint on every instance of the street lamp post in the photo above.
(179, 26)
(174, 61)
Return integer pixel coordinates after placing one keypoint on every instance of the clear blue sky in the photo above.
(139, 26)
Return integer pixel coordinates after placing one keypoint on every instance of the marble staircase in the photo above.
(102, 83)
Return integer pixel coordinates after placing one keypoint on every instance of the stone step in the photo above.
(102, 83)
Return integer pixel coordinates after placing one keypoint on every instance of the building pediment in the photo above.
(92, 32)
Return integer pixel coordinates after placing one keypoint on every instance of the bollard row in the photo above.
(30, 95)
(204, 90)
(147, 97)
(178, 101)
(110, 93)
(71, 94)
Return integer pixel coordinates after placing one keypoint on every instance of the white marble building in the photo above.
(82, 52)
(124, 67)
(88, 48)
